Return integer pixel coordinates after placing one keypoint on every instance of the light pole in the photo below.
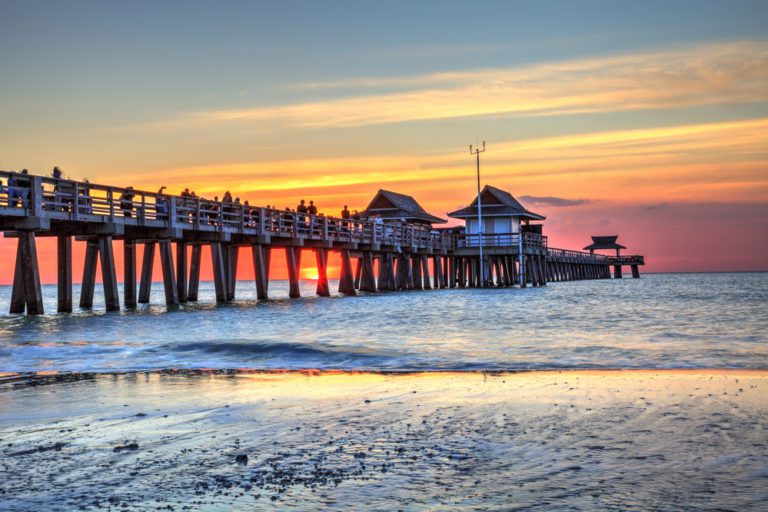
(477, 152)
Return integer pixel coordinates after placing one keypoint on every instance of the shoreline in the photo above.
(222, 440)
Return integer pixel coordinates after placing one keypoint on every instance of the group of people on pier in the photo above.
(62, 194)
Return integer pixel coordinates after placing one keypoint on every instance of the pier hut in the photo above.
(401, 265)
(395, 207)
(609, 243)
(503, 217)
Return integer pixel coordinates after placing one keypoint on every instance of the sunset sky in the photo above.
(644, 119)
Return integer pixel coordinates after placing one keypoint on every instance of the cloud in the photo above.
(554, 201)
(724, 73)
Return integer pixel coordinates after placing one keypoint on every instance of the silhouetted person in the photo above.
(126, 202)
(302, 208)
(312, 209)
(345, 213)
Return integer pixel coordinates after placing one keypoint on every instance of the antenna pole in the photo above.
(480, 229)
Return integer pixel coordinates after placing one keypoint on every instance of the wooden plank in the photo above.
(147, 263)
(169, 277)
(321, 255)
(219, 275)
(89, 274)
(109, 274)
(292, 260)
(194, 273)
(129, 273)
(181, 272)
(33, 294)
(64, 273)
(346, 279)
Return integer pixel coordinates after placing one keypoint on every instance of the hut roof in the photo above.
(496, 203)
(393, 206)
(604, 242)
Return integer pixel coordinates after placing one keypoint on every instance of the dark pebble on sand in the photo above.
(242, 459)
(130, 446)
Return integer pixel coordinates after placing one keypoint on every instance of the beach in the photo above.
(330, 440)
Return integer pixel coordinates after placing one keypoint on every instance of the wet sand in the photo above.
(369, 441)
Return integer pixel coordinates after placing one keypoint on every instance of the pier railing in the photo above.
(80, 201)
(499, 240)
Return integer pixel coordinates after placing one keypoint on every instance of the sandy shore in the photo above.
(428, 441)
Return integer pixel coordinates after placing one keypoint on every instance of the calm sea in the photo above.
(658, 321)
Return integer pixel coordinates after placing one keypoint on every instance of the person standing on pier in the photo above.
(312, 209)
(126, 202)
(345, 219)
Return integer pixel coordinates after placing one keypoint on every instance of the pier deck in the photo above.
(35, 206)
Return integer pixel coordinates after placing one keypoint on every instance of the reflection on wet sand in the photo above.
(339, 440)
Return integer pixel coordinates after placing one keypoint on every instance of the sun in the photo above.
(310, 274)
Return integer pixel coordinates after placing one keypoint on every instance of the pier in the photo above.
(376, 256)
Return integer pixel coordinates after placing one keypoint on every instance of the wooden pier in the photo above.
(375, 256)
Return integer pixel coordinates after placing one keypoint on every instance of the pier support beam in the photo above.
(367, 279)
(231, 254)
(261, 256)
(346, 280)
(321, 255)
(147, 263)
(129, 273)
(418, 282)
(181, 271)
(635, 271)
(169, 278)
(219, 274)
(425, 273)
(64, 281)
(293, 260)
(89, 274)
(382, 282)
(108, 274)
(358, 273)
(27, 291)
(617, 272)
(194, 273)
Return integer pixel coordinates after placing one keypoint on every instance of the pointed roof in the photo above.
(604, 242)
(394, 206)
(496, 203)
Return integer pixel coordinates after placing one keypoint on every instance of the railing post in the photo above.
(262, 221)
(35, 204)
(172, 220)
(110, 197)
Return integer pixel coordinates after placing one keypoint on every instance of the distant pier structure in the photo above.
(394, 245)
(617, 262)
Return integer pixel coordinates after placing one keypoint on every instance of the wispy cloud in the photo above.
(554, 201)
(723, 73)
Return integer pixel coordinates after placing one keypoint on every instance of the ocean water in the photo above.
(658, 321)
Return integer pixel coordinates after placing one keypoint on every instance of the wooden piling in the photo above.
(367, 279)
(321, 256)
(108, 274)
(417, 281)
(181, 272)
(425, 273)
(617, 272)
(231, 255)
(147, 263)
(194, 273)
(261, 270)
(635, 271)
(18, 300)
(219, 274)
(346, 279)
(27, 291)
(292, 259)
(89, 274)
(169, 277)
(64, 274)
(129, 273)
(358, 273)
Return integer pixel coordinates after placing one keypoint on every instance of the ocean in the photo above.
(708, 320)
